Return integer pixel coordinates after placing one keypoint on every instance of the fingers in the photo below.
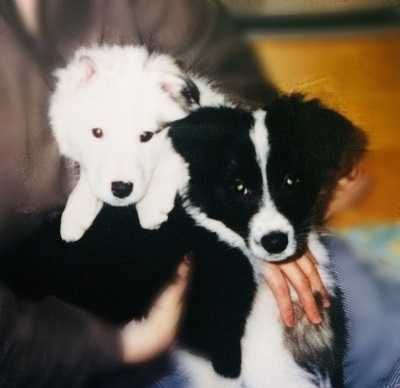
(350, 189)
(145, 339)
(308, 265)
(279, 287)
(302, 285)
(171, 298)
(166, 311)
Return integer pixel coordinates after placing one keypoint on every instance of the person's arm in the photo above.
(51, 343)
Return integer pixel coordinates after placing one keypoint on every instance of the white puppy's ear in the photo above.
(87, 68)
(181, 89)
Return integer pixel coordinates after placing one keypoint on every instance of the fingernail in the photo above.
(290, 321)
(326, 303)
(316, 321)
(183, 269)
(289, 324)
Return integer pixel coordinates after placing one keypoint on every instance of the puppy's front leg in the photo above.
(80, 211)
(169, 177)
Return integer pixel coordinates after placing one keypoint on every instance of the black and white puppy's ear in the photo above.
(313, 143)
(325, 138)
(182, 89)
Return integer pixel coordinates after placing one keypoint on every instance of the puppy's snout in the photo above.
(275, 242)
(121, 189)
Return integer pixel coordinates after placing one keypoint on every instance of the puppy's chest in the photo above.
(299, 354)
(266, 359)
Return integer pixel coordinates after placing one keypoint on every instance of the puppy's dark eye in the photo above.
(146, 136)
(241, 188)
(291, 181)
(97, 133)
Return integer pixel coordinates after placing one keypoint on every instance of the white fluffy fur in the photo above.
(125, 91)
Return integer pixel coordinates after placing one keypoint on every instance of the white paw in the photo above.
(76, 220)
(71, 229)
(153, 211)
(152, 220)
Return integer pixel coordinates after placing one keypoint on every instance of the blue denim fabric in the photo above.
(174, 380)
(394, 380)
(373, 309)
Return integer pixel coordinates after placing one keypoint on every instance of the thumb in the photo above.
(173, 295)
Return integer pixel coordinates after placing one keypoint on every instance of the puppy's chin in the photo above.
(111, 200)
(121, 202)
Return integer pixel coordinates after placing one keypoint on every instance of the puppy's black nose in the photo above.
(275, 242)
(121, 189)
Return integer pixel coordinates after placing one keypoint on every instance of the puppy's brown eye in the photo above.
(241, 188)
(291, 181)
(97, 132)
(146, 136)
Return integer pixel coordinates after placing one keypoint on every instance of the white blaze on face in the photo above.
(118, 90)
(268, 226)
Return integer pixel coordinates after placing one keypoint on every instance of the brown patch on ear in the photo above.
(183, 90)
(191, 92)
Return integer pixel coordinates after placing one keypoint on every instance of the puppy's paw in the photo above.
(152, 220)
(153, 209)
(77, 219)
(71, 229)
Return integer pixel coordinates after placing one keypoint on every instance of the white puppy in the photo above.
(108, 112)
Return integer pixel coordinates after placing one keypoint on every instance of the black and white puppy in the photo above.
(263, 193)
(257, 184)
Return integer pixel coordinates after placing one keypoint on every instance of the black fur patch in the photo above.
(221, 156)
(191, 92)
(312, 146)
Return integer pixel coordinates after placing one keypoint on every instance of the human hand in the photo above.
(349, 190)
(302, 274)
(142, 340)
